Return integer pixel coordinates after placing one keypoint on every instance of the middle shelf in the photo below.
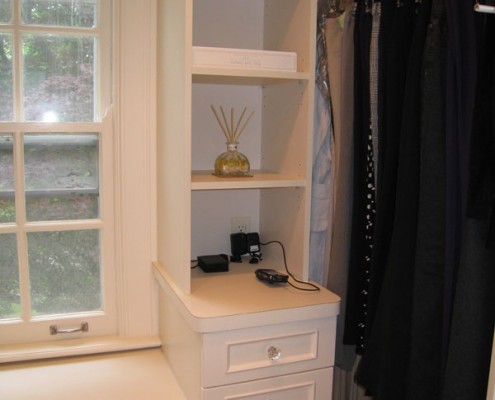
(205, 180)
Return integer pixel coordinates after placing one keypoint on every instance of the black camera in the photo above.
(242, 243)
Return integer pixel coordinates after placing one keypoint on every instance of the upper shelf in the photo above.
(245, 76)
(205, 180)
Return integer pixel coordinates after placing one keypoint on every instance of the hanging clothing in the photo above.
(340, 52)
(419, 303)
(384, 366)
(396, 31)
(461, 78)
(376, 8)
(322, 185)
(481, 189)
(425, 367)
(473, 316)
(359, 262)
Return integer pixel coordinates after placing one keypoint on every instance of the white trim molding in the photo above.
(135, 70)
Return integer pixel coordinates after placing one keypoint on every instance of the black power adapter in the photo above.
(245, 243)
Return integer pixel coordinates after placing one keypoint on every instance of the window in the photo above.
(56, 166)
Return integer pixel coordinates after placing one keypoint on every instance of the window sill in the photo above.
(124, 376)
(74, 347)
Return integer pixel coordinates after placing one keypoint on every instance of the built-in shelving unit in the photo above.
(277, 141)
(228, 335)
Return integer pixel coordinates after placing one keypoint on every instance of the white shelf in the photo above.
(245, 76)
(205, 180)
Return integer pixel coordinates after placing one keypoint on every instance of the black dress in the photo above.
(384, 365)
(426, 365)
(357, 282)
(473, 316)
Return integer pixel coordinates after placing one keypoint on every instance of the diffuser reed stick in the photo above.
(231, 130)
(220, 123)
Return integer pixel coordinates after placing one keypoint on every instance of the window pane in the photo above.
(64, 269)
(76, 13)
(6, 87)
(5, 11)
(58, 78)
(7, 209)
(10, 299)
(61, 177)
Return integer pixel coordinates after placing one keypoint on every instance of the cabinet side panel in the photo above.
(283, 218)
(290, 25)
(173, 138)
(288, 119)
(181, 346)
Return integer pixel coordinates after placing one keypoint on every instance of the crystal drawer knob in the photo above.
(274, 353)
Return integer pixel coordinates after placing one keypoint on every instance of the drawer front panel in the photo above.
(272, 350)
(287, 349)
(313, 385)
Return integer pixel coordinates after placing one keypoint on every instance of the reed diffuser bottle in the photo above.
(232, 162)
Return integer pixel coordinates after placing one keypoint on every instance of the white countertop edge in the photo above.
(184, 303)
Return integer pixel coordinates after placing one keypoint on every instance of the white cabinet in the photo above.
(217, 329)
(238, 338)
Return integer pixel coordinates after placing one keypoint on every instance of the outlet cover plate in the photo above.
(240, 224)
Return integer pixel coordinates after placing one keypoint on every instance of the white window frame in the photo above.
(134, 122)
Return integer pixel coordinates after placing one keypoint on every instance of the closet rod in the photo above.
(483, 8)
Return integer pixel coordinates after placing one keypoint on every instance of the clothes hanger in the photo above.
(484, 8)
(334, 9)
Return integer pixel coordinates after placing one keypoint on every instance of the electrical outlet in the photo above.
(239, 224)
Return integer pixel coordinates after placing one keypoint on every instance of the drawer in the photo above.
(267, 351)
(313, 385)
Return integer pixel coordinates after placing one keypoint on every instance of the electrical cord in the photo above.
(313, 288)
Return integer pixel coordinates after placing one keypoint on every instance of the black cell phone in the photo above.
(271, 276)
